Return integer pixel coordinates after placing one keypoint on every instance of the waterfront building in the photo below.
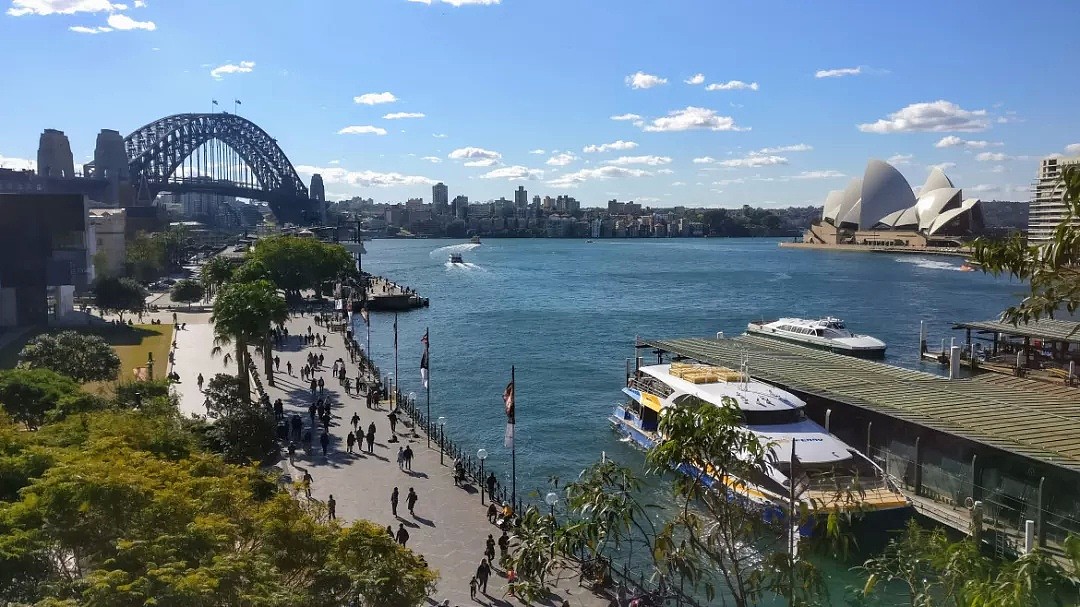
(440, 198)
(521, 198)
(461, 207)
(109, 242)
(1047, 203)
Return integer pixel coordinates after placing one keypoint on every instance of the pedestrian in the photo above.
(314, 386)
(393, 422)
(297, 425)
(390, 531)
(306, 481)
(279, 409)
(402, 535)
(288, 367)
(482, 574)
(371, 437)
(348, 385)
(491, 485)
(331, 508)
(492, 512)
(324, 440)
(394, 501)
(408, 457)
(511, 581)
(322, 386)
(410, 501)
(504, 546)
(489, 549)
(277, 363)
(199, 380)
(292, 451)
(321, 360)
(355, 420)
(472, 588)
(312, 410)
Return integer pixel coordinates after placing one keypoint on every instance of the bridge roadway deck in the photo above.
(1020, 416)
(450, 526)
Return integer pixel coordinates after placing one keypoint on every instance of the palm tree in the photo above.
(243, 315)
(215, 273)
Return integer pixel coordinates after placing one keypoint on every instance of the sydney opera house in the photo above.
(881, 209)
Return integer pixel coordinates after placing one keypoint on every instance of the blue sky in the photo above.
(802, 93)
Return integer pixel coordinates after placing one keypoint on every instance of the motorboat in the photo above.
(826, 334)
(456, 258)
(829, 475)
(475, 239)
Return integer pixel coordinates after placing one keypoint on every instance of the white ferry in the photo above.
(831, 476)
(826, 334)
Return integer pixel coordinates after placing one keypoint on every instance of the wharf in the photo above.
(384, 295)
(1010, 442)
(858, 248)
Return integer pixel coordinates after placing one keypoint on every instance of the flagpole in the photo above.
(427, 348)
(397, 378)
(513, 449)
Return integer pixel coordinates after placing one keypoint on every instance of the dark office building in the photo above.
(43, 255)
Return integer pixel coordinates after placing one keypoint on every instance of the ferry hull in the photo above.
(868, 353)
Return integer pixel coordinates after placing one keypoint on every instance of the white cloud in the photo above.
(818, 175)
(691, 119)
(695, 79)
(665, 172)
(952, 141)
(514, 173)
(649, 160)
(17, 164)
(933, 117)
(641, 80)
(537, 151)
(375, 98)
(335, 162)
(839, 72)
(61, 7)
(432, 159)
(81, 29)
(244, 67)
(943, 166)
(753, 160)
(481, 162)
(1072, 148)
(626, 117)
(571, 180)
(733, 85)
(338, 175)
(798, 147)
(607, 147)
(366, 129)
(439, 135)
(123, 22)
(140, 4)
(998, 169)
(403, 115)
(900, 159)
(561, 160)
(992, 157)
(704, 160)
(724, 182)
(678, 183)
(474, 154)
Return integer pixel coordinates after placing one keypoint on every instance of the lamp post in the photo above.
(442, 433)
(552, 498)
(482, 455)
(390, 390)
(412, 400)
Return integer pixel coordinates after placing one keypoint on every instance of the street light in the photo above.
(442, 433)
(482, 455)
(552, 498)
(412, 400)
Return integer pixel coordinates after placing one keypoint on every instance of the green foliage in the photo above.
(749, 221)
(533, 558)
(119, 295)
(146, 258)
(242, 431)
(80, 356)
(214, 273)
(140, 394)
(1052, 269)
(187, 291)
(28, 394)
(243, 315)
(295, 264)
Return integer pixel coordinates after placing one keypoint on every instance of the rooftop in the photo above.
(1049, 329)
(1025, 417)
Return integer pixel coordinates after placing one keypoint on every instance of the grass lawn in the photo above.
(131, 343)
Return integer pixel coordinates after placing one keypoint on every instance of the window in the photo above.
(773, 417)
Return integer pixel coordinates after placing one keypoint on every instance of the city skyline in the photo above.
(653, 103)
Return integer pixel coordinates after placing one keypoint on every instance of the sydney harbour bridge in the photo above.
(218, 153)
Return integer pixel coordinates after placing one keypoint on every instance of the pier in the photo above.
(384, 295)
(997, 455)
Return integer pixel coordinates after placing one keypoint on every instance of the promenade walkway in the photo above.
(450, 526)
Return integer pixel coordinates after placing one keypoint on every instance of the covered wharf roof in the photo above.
(1020, 416)
(1048, 329)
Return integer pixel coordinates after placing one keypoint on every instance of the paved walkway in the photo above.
(450, 526)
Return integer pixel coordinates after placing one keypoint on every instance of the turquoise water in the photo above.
(566, 313)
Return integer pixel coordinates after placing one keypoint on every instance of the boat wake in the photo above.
(454, 248)
(929, 264)
(463, 267)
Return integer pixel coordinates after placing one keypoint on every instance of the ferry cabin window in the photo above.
(773, 417)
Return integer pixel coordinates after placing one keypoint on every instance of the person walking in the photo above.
(199, 380)
(483, 572)
(491, 485)
(371, 437)
(314, 387)
(324, 441)
(394, 501)
(504, 546)
(292, 451)
(313, 410)
(402, 535)
(392, 416)
(400, 458)
(350, 441)
(306, 481)
(390, 531)
(288, 367)
(331, 508)
(410, 501)
(279, 409)
(492, 513)
(489, 549)
(408, 457)
(355, 420)
(472, 588)
(277, 363)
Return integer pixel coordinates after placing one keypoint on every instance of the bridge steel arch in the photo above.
(156, 150)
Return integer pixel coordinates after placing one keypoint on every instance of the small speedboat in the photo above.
(967, 268)
(475, 240)
(456, 258)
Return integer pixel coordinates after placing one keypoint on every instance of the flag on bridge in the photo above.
(424, 360)
(508, 400)
(237, 102)
(214, 101)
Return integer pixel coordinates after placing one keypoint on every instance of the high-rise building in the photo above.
(1047, 205)
(521, 198)
(440, 198)
(461, 207)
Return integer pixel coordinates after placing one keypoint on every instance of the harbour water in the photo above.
(566, 313)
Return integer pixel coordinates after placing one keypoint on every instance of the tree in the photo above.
(214, 273)
(242, 430)
(1052, 268)
(28, 394)
(146, 257)
(187, 291)
(295, 263)
(119, 295)
(82, 357)
(243, 315)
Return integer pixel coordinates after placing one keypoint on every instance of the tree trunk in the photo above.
(268, 359)
(242, 369)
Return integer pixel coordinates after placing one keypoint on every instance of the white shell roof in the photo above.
(833, 203)
(934, 202)
(935, 180)
(944, 218)
(884, 190)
